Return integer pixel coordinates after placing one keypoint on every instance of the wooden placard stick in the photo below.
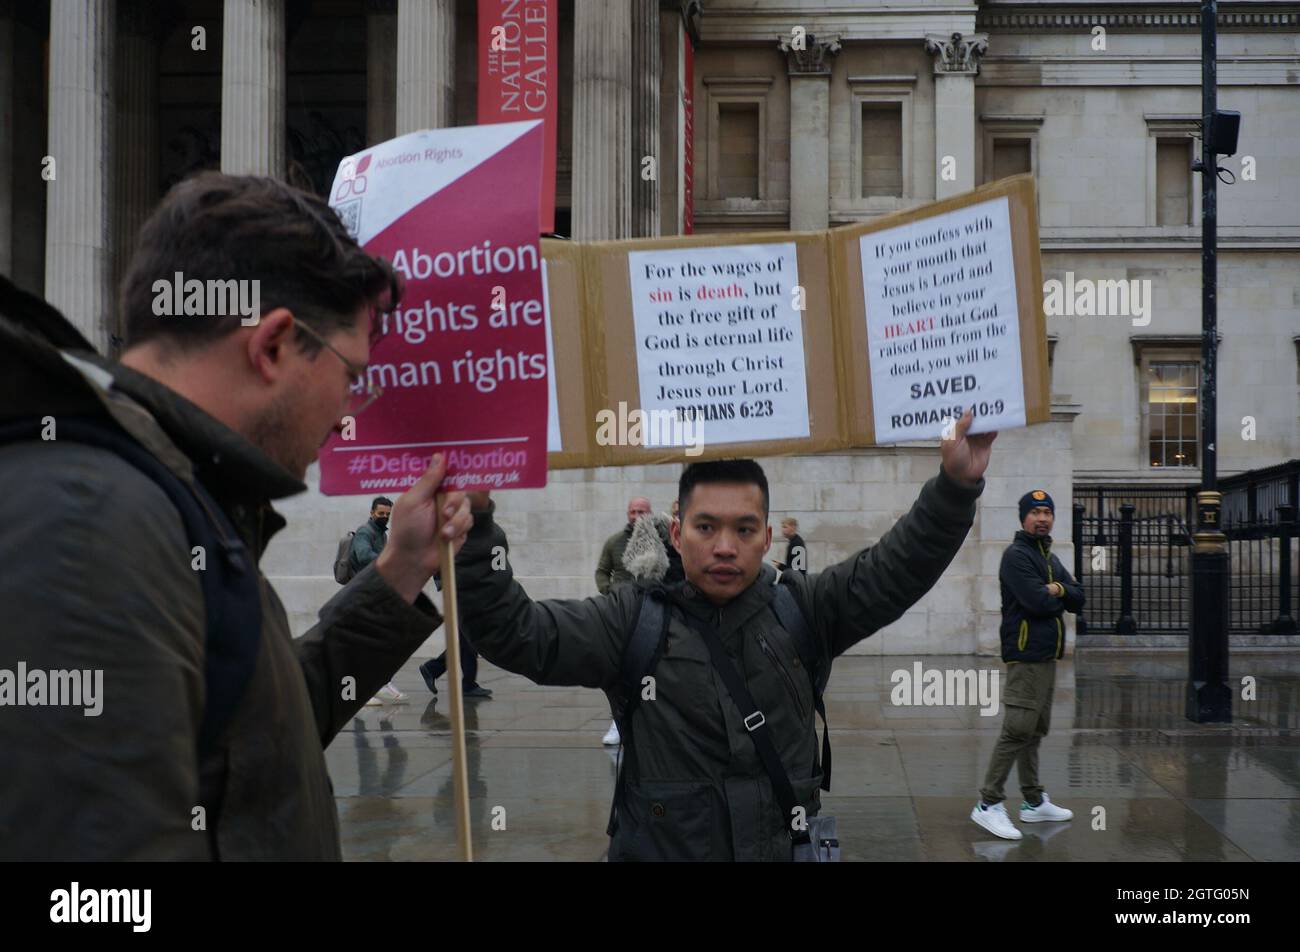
(459, 766)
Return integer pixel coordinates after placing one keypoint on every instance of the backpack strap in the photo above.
(792, 619)
(232, 599)
(756, 724)
(640, 657)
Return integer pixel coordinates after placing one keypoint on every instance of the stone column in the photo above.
(252, 88)
(956, 64)
(646, 66)
(426, 64)
(810, 131)
(603, 164)
(136, 182)
(78, 229)
(381, 70)
(672, 144)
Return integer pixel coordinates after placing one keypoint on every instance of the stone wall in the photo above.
(1094, 358)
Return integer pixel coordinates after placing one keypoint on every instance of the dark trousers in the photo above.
(468, 664)
(1026, 719)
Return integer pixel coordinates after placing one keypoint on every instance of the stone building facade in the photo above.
(800, 114)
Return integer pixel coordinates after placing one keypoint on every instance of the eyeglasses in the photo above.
(364, 392)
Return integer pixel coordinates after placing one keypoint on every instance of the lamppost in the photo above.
(1209, 699)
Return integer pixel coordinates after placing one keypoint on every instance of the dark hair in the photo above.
(380, 501)
(215, 227)
(721, 471)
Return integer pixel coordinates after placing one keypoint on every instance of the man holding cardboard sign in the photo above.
(707, 774)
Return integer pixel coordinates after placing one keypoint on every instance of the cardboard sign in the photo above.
(463, 361)
(761, 344)
(518, 76)
(730, 335)
(976, 328)
(719, 341)
(571, 380)
(942, 323)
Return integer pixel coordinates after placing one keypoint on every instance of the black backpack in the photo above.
(641, 656)
(232, 600)
(343, 560)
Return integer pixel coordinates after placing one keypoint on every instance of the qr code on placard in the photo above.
(350, 214)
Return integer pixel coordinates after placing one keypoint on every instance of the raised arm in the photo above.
(365, 632)
(371, 627)
(559, 641)
(864, 593)
(867, 591)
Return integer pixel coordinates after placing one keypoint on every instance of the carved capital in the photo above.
(814, 59)
(957, 53)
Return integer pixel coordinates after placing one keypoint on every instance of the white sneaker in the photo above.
(995, 820)
(611, 738)
(385, 694)
(1045, 812)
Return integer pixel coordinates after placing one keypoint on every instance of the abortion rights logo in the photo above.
(352, 184)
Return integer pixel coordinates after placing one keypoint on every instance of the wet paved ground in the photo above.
(905, 777)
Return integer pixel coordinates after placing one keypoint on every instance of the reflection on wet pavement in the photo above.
(1144, 783)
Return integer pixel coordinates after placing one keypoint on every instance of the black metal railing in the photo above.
(1148, 501)
(1262, 558)
(1133, 545)
(1135, 571)
(1256, 496)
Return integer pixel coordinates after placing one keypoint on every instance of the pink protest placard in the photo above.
(462, 361)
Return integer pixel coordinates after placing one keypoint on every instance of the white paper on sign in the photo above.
(943, 323)
(553, 442)
(719, 344)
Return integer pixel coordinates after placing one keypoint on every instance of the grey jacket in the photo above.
(696, 788)
(367, 543)
(610, 569)
(97, 575)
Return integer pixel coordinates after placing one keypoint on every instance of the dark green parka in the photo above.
(98, 576)
(696, 789)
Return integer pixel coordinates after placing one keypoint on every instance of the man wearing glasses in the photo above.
(209, 736)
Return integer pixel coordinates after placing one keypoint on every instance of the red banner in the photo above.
(688, 133)
(518, 76)
(462, 364)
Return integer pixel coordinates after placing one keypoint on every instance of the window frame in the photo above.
(746, 90)
(996, 128)
(1153, 350)
(894, 89)
(1171, 127)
